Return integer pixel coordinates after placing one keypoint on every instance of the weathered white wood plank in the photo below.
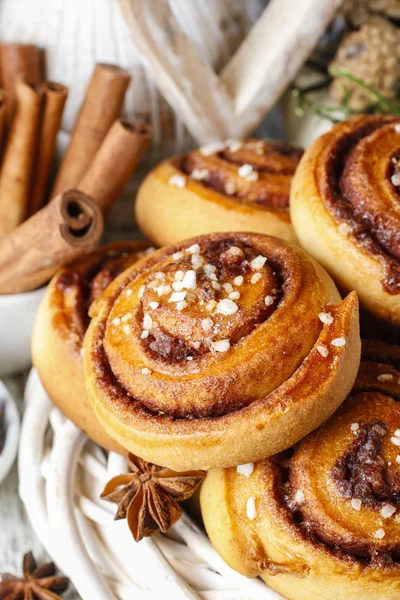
(271, 54)
(232, 104)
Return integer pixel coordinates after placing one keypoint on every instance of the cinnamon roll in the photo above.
(322, 520)
(223, 349)
(345, 208)
(231, 186)
(60, 325)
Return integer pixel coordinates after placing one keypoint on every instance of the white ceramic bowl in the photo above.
(17, 314)
(11, 417)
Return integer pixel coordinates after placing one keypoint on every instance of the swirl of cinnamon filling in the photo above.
(60, 326)
(76, 287)
(326, 514)
(230, 186)
(347, 192)
(254, 172)
(195, 339)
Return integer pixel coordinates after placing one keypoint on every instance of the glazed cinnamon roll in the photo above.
(231, 186)
(60, 326)
(322, 520)
(345, 208)
(220, 350)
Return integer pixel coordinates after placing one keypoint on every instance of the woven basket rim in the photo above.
(77, 529)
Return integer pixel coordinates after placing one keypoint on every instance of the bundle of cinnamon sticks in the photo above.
(104, 151)
(31, 114)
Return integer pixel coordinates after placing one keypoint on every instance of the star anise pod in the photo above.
(36, 583)
(148, 496)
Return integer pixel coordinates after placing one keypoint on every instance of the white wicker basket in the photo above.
(61, 476)
(11, 424)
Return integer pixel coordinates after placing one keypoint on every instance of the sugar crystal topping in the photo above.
(189, 279)
(325, 318)
(251, 510)
(246, 469)
(356, 504)
(379, 534)
(178, 181)
(322, 350)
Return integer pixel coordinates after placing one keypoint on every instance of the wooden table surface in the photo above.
(16, 534)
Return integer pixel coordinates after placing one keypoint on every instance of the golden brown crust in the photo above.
(326, 513)
(201, 343)
(60, 326)
(217, 194)
(345, 192)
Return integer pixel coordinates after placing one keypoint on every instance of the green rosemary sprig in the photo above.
(379, 104)
(304, 104)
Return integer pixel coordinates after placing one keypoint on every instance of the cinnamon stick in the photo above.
(63, 230)
(2, 119)
(16, 61)
(115, 161)
(54, 99)
(102, 105)
(18, 162)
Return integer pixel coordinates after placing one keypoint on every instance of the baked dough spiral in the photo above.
(203, 342)
(323, 519)
(231, 186)
(60, 326)
(345, 208)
